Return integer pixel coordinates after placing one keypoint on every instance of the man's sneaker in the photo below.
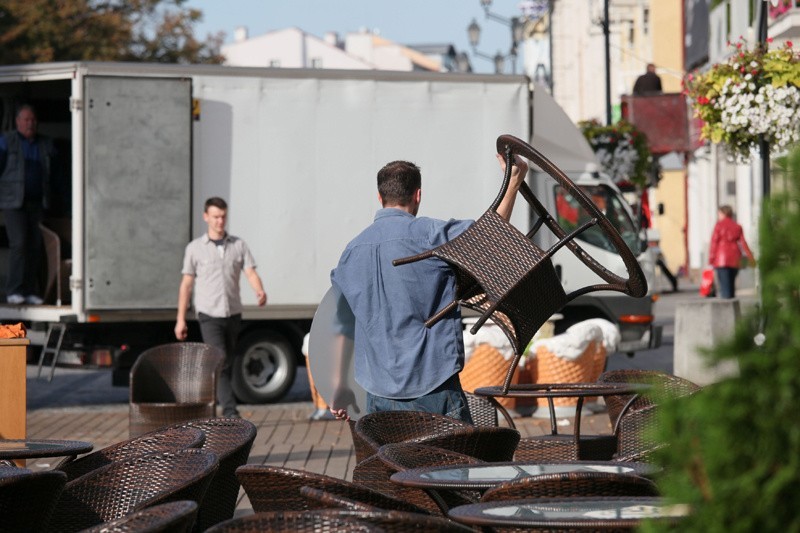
(33, 300)
(15, 299)
(322, 414)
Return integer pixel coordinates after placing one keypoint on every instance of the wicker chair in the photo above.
(502, 274)
(569, 484)
(124, 487)
(230, 439)
(173, 517)
(665, 384)
(336, 520)
(273, 488)
(161, 440)
(27, 498)
(173, 383)
(484, 412)
(373, 430)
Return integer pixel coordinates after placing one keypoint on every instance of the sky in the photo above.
(403, 21)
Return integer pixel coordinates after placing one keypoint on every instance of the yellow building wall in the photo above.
(666, 28)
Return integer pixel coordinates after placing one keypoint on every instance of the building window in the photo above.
(316, 62)
(646, 20)
(274, 63)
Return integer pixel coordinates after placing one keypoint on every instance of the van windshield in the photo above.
(570, 215)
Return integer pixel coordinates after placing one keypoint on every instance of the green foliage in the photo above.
(734, 453)
(622, 149)
(33, 31)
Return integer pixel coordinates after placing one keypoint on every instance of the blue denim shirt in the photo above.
(396, 356)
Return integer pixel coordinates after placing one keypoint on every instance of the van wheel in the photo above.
(264, 368)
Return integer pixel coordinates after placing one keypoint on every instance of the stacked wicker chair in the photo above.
(123, 487)
(27, 498)
(230, 439)
(173, 383)
(161, 440)
(345, 521)
(273, 488)
(173, 517)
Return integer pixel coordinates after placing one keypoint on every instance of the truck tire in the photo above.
(264, 368)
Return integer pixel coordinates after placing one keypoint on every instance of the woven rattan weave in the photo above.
(173, 517)
(569, 484)
(27, 498)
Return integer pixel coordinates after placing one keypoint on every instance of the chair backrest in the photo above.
(172, 517)
(162, 440)
(572, 484)
(231, 440)
(274, 488)
(376, 429)
(400, 522)
(291, 522)
(665, 384)
(484, 443)
(482, 411)
(184, 372)
(27, 498)
(123, 487)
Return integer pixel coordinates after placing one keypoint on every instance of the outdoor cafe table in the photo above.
(594, 514)
(561, 390)
(38, 448)
(483, 476)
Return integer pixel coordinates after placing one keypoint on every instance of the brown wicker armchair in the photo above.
(569, 484)
(665, 385)
(173, 383)
(373, 430)
(161, 440)
(273, 488)
(173, 517)
(27, 498)
(123, 487)
(502, 274)
(339, 520)
(230, 439)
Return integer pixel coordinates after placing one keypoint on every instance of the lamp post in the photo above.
(515, 24)
(763, 143)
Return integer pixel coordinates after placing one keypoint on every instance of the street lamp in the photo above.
(517, 26)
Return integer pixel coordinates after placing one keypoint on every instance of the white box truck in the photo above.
(293, 151)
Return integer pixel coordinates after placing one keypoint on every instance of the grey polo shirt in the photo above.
(216, 285)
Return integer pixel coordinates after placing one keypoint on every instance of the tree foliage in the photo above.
(34, 31)
(734, 447)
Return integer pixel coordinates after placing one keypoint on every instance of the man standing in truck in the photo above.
(214, 263)
(26, 171)
(400, 363)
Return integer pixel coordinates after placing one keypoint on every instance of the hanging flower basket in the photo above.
(755, 92)
(622, 150)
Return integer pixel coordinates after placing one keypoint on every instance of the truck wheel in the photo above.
(264, 368)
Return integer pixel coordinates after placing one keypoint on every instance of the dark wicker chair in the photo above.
(161, 440)
(484, 413)
(502, 274)
(27, 498)
(665, 385)
(569, 484)
(231, 440)
(173, 383)
(339, 520)
(273, 488)
(123, 487)
(373, 430)
(173, 517)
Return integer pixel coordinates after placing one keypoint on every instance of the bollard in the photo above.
(703, 324)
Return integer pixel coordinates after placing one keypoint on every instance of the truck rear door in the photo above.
(137, 190)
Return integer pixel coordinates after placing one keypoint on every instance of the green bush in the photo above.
(734, 453)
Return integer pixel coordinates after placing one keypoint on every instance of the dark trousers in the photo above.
(25, 249)
(726, 281)
(222, 333)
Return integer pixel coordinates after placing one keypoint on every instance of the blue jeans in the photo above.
(447, 399)
(726, 277)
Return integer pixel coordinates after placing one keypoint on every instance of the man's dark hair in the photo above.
(398, 181)
(215, 201)
(22, 107)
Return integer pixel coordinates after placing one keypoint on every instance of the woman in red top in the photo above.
(727, 245)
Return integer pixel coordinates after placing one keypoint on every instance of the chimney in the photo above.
(332, 38)
(240, 34)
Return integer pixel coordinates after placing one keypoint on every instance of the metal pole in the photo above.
(763, 143)
(607, 32)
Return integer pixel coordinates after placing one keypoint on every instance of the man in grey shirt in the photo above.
(213, 264)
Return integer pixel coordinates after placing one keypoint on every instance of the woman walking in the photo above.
(725, 255)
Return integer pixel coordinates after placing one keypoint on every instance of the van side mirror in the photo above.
(660, 208)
